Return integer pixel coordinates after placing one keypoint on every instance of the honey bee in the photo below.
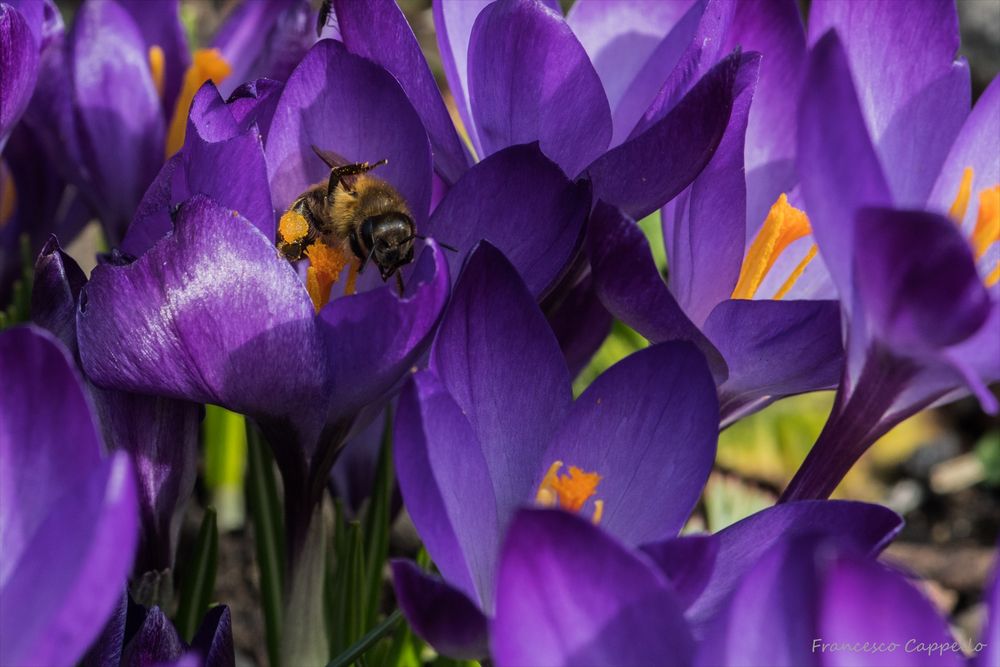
(351, 210)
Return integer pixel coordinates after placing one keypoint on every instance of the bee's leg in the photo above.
(351, 286)
(356, 169)
(399, 282)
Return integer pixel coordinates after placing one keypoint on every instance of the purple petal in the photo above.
(500, 361)
(107, 649)
(379, 31)
(530, 80)
(19, 64)
(706, 237)
(43, 18)
(155, 642)
(741, 545)
(209, 314)
(648, 426)
(638, 296)
(440, 615)
(687, 563)
(569, 594)
(374, 121)
(990, 655)
(522, 204)
(841, 171)
(214, 639)
(917, 280)
(581, 323)
(902, 614)
(118, 112)
(912, 97)
(453, 22)
(254, 103)
(446, 486)
(68, 518)
(217, 160)
(159, 22)
(650, 169)
(58, 281)
(776, 348)
(373, 338)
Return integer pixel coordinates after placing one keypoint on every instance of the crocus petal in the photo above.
(343, 103)
(107, 649)
(500, 361)
(776, 348)
(705, 237)
(155, 642)
(530, 80)
(117, 110)
(217, 160)
(888, 43)
(839, 168)
(379, 31)
(638, 296)
(373, 338)
(58, 281)
(633, 47)
(520, 202)
(974, 147)
(687, 563)
(19, 64)
(917, 280)
(159, 22)
(569, 594)
(648, 426)
(439, 614)
(209, 314)
(68, 518)
(446, 486)
(901, 615)
(581, 323)
(647, 171)
(871, 527)
(214, 638)
(43, 18)
(990, 654)
(254, 103)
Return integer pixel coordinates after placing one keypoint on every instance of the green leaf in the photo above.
(360, 647)
(199, 579)
(621, 342)
(988, 451)
(304, 639)
(377, 524)
(265, 509)
(350, 588)
(652, 227)
(225, 436)
(19, 308)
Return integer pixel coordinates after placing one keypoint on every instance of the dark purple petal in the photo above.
(741, 545)
(446, 486)
(159, 22)
(68, 517)
(217, 160)
(254, 103)
(633, 46)
(637, 294)
(265, 38)
(57, 284)
(888, 43)
(650, 169)
(352, 477)
(500, 361)
(343, 103)
(156, 642)
(379, 31)
(569, 594)
(776, 348)
(214, 639)
(42, 17)
(840, 170)
(107, 649)
(902, 614)
(521, 203)
(581, 323)
(687, 563)
(118, 112)
(648, 426)
(209, 314)
(440, 615)
(373, 338)
(19, 64)
(530, 80)
(705, 236)
(917, 280)
(453, 22)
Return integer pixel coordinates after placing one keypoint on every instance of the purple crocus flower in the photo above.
(886, 171)
(19, 63)
(68, 520)
(810, 601)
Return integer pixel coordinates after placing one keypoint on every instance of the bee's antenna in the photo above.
(440, 243)
(364, 263)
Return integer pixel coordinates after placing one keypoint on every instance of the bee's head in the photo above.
(390, 236)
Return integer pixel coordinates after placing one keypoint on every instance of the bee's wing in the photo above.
(332, 160)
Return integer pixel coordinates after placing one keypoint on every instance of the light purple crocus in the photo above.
(68, 517)
(901, 184)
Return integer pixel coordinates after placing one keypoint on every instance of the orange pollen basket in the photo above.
(571, 492)
(986, 230)
(784, 225)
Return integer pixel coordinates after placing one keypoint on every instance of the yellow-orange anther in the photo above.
(784, 225)
(796, 273)
(205, 64)
(325, 265)
(157, 67)
(961, 203)
(570, 492)
(8, 194)
(987, 229)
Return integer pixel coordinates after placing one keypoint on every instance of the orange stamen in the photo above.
(796, 274)
(157, 67)
(325, 265)
(205, 64)
(987, 229)
(570, 492)
(784, 225)
(961, 203)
